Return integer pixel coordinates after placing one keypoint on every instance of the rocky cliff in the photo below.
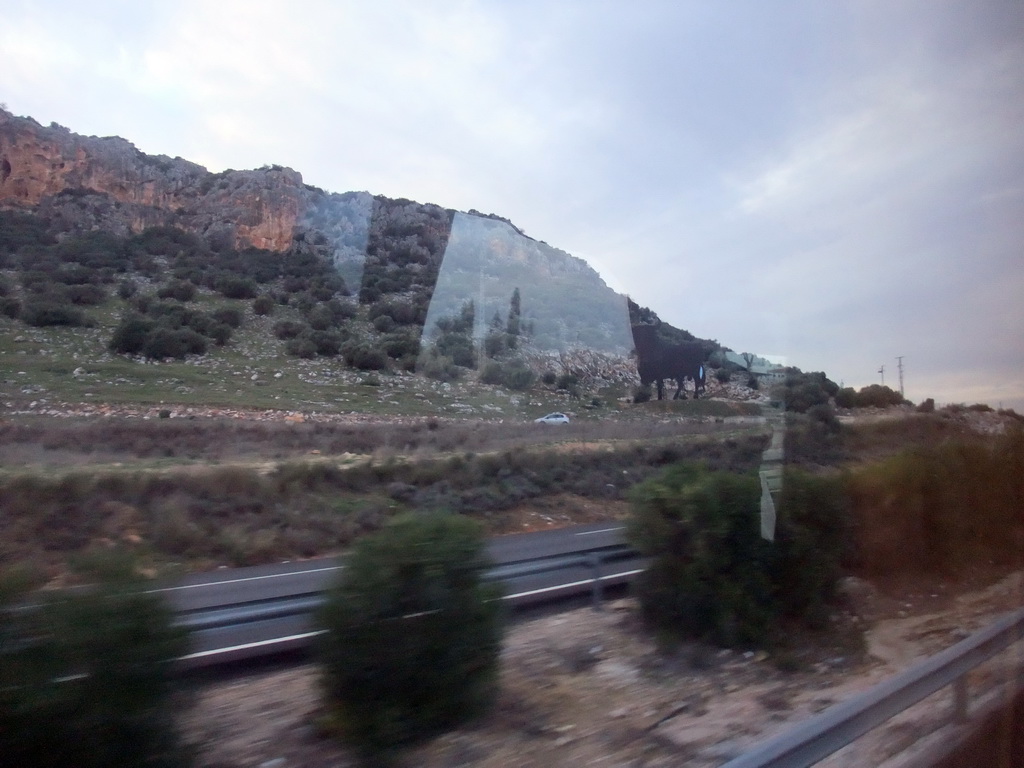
(414, 263)
(90, 182)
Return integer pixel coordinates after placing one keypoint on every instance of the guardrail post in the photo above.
(595, 586)
(960, 699)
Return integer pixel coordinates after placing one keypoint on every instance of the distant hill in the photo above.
(92, 226)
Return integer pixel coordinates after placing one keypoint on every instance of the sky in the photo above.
(833, 184)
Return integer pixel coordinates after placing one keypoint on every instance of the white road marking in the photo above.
(602, 530)
(247, 578)
(572, 584)
(245, 646)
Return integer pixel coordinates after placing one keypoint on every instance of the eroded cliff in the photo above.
(91, 182)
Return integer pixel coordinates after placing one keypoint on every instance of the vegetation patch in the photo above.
(412, 634)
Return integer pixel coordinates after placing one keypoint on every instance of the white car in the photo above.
(552, 418)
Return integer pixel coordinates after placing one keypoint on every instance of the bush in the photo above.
(364, 357)
(127, 288)
(459, 347)
(131, 335)
(220, 333)
(234, 287)
(85, 295)
(85, 680)
(813, 537)
(712, 577)
(164, 342)
(412, 635)
(327, 343)
(846, 398)
(441, 368)
(263, 305)
(514, 374)
(709, 574)
(802, 391)
(45, 313)
(567, 381)
(401, 344)
(230, 316)
(301, 346)
(877, 396)
(289, 329)
(177, 289)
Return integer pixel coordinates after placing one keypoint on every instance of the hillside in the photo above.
(96, 234)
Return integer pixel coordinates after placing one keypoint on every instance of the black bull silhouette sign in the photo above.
(658, 360)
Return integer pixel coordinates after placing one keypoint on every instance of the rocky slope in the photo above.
(381, 248)
(107, 182)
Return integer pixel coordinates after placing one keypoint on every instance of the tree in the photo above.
(512, 326)
(412, 633)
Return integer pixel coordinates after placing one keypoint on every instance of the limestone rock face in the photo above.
(89, 181)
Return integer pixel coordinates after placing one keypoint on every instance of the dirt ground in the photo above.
(586, 687)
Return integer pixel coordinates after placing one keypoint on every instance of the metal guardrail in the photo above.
(842, 723)
(302, 604)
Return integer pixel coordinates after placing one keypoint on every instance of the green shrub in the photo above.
(327, 343)
(180, 290)
(518, 376)
(441, 368)
(85, 679)
(85, 295)
(812, 537)
(802, 391)
(234, 287)
(164, 342)
(301, 346)
(220, 333)
(458, 347)
(46, 313)
(567, 381)
(492, 373)
(514, 374)
(412, 635)
(709, 574)
(263, 305)
(846, 398)
(365, 357)
(401, 344)
(131, 335)
(877, 396)
(712, 576)
(230, 316)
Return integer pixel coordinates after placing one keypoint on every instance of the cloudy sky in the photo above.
(838, 183)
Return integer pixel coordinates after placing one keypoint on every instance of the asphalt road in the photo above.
(246, 612)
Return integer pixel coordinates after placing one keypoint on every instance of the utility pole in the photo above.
(899, 361)
(882, 371)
